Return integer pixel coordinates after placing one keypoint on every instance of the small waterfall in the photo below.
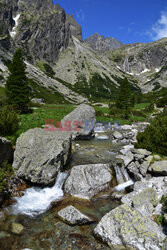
(119, 175)
(123, 178)
(125, 174)
(37, 200)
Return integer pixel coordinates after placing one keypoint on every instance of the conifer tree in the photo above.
(17, 90)
(124, 97)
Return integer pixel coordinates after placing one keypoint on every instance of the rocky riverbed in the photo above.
(106, 193)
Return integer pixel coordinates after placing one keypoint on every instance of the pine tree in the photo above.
(17, 90)
(124, 97)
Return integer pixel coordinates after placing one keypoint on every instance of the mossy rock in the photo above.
(148, 195)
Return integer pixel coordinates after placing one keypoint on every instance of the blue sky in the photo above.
(126, 20)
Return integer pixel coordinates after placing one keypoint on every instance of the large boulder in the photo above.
(125, 226)
(85, 181)
(40, 155)
(73, 216)
(159, 168)
(159, 184)
(144, 201)
(6, 151)
(82, 120)
(148, 195)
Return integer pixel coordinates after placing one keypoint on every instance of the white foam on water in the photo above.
(36, 201)
(124, 185)
(119, 175)
(123, 178)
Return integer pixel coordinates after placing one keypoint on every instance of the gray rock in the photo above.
(128, 198)
(157, 157)
(73, 216)
(148, 195)
(158, 209)
(126, 226)
(6, 151)
(100, 43)
(75, 28)
(117, 135)
(38, 100)
(54, 21)
(144, 167)
(133, 170)
(40, 155)
(159, 184)
(4, 234)
(159, 168)
(126, 148)
(141, 152)
(144, 198)
(128, 158)
(149, 158)
(146, 209)
(86, 117)
(138, 157)
(17, 228)
(165, 219)
(85, 181)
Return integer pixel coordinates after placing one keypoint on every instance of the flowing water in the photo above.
(36, 210)
(122, 178)
(37, 200)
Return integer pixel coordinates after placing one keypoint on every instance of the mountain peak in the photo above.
(100, 43)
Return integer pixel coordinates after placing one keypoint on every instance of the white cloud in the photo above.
(80, 15)
(159, 29)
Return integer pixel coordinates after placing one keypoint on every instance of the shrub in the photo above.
(154, 138)
(9, 121)
(139, 113)
(99, 113)
(5, 172)
(114, 111)
(48, 69)
(149, 108)
(162, 101)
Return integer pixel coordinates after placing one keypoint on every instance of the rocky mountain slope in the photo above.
(40, 28)
(60, 63)
(147, 62)
(100, 43)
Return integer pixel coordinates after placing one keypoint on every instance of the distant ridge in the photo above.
(100, 43)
